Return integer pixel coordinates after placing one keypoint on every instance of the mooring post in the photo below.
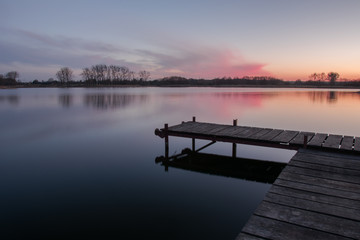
(193, 139)
(234, 144)
(166, 127)
(305, 140)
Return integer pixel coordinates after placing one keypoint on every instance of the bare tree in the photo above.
(65, 74)
(86, 74)
(332, 77)
(144, 75)
(12, 75)
(314, 76)
(322, 76)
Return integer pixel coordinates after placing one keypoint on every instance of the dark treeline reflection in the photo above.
(314, 96)
(66, 100)
(112, 101)
(12, 99)
(241, 168)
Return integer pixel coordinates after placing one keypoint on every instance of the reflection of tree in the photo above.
(320, 96)
(112, 101)
(65, 100)
(12, 99)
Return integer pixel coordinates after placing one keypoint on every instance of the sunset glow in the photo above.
(195, 39)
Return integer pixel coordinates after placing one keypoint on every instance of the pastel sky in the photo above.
(287, 39)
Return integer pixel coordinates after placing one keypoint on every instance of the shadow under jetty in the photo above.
(248, 169)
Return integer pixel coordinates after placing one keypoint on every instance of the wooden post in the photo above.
(166, 127)
(234, 144)
(305, 140)
(193, 139)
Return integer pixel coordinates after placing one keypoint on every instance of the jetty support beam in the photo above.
(234, 144)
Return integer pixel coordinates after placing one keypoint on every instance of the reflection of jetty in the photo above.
(316, 196)
(248, 169)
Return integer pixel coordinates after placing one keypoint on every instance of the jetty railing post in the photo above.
(193, 140)
(166, 127)
(234, 144)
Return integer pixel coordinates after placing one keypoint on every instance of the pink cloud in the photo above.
(203, 62)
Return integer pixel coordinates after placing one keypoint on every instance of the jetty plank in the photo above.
(183, 127)
(340, 175)
(322, 222)
(260, 134)
(285, 136)
(299, 139)
(315, 196)
(333, 141)
(248, 132)
(272, 134)
(317, 140)
(322, 182)
(347, 143)
(313, 206)
(323, 168)
(352, 162)
(231, 131)
(275, 229)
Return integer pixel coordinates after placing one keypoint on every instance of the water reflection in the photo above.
(12, 99)
(112, 101)
(66, 100)
(247, 169)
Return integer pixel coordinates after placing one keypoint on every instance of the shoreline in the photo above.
(181, 86)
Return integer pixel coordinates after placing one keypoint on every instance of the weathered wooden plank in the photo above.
(260, 133)
(299, 139)
(230, 132)
(216, 129)
(322, 182)
(317, 140)
(333, 141)
(318, 221)
(271, 135)
(329, 172)
(328, 161)
(182, 127)
(357, 144)
(244, 236)
(248, 132)
(308, 205)
(204, 128)
(332, 154)
(347, 143)
(274, 229)
(285, 136)
(301, 193)
(317, 189)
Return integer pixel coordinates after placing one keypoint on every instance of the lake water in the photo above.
(80, 163)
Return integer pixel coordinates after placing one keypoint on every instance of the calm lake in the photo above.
(80, 163)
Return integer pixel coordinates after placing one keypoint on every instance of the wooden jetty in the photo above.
(316, 196)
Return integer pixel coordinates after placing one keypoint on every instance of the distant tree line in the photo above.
(114, 75)
(101, 73)
(9, 78)
(331, 76)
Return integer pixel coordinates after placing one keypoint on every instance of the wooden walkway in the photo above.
(262, 136)
(317, 196)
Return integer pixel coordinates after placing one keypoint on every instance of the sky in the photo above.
(286, 39)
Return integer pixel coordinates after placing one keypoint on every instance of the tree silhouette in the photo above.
(12, 75)
(333, 76)
(65, 74)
